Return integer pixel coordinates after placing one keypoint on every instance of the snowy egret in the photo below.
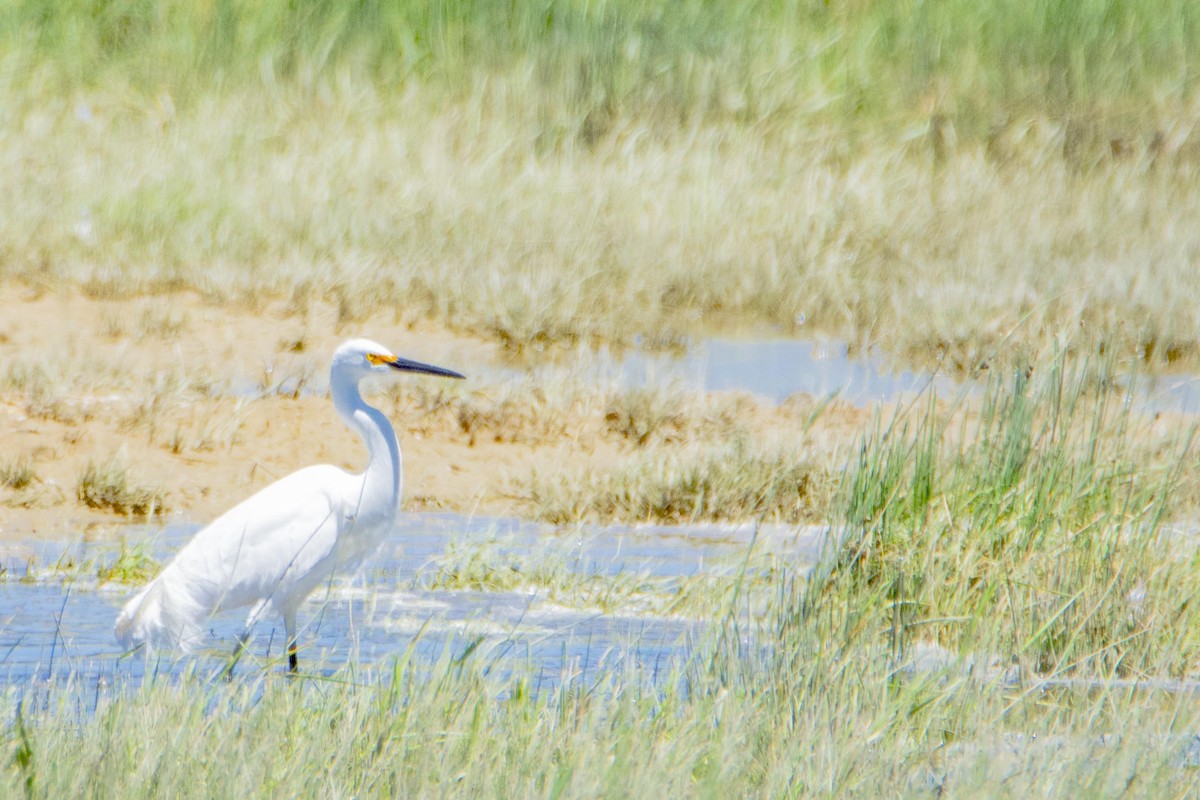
(271, 550)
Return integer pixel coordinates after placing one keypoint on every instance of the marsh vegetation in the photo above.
(943, 182)
(1007, 602)
(208, 194)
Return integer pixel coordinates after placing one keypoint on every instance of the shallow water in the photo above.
(777, 369)
(1172, 393)
(771, 368)
(54, 632)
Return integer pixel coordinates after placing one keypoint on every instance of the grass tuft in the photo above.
(132, 565)
(645, 415)
(735, 481)
(18, 473)
(105, 485)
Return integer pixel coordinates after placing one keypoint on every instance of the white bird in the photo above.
(271, 550)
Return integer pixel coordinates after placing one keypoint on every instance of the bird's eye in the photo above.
(377, 359)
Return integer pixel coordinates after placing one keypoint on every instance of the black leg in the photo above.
(238, 649)
(289, 625)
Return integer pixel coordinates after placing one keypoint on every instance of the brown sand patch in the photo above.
(157, 334)
(131, 379)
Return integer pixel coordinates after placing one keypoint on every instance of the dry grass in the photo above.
(539, 185)
(18, 473)
(730, 481)
(106, 485)
(638, 235)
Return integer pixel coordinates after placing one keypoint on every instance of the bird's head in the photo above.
(363, 357)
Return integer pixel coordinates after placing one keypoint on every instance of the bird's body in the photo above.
(273, 549)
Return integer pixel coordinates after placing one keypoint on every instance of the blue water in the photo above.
(777, 369)
(57, 633)
(1174, 393)
(773, 369)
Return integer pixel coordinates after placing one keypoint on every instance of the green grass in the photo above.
(1029, 530)
(748, 61)
(132, 565)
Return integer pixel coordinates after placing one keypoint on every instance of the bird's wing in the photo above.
(277, 545)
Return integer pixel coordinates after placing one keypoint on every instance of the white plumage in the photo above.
(271, 550)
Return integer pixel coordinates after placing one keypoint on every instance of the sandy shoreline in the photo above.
(95, 380)
(139, 382)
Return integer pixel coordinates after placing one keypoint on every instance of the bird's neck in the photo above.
(383, 476)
